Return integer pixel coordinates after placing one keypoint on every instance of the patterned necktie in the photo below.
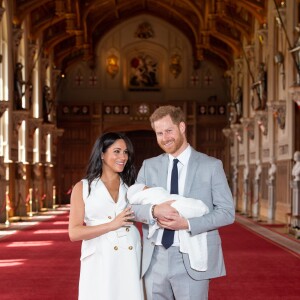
(168, 234)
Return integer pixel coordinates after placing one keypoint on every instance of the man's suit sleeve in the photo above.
(222, 212)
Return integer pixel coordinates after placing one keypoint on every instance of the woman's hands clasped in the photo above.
(124, 218)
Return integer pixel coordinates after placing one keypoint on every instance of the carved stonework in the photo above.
(272, 170)
(18, 116)
(250, 57)
(47, 129)
(58, 132)
(258, 170)
(239, 63)
(3, 106)
(33, 124)
(262, 121)
(228, 132)
(259, 89)
(144, 31)
(279, 113)
(295, 91)
(248, 124)
(17, 35)
(238, 132)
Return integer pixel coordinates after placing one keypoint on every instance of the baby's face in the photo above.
(145, 188)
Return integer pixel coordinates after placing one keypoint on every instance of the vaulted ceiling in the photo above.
(72, 28)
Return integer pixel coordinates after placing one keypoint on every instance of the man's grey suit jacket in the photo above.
(205, 180)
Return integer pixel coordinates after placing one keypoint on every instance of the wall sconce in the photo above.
(112, 66)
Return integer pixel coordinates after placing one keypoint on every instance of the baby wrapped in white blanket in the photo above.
(195, 246)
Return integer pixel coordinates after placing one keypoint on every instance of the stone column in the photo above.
(246, 189)
(295, 184)
(256, 204)
(235, 186)
(37, 188)
(20, 191)
(49, 181)
(271, 191)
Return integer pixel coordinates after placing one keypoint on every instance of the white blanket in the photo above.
(194, 246)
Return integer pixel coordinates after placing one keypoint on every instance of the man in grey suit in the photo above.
(167, 271)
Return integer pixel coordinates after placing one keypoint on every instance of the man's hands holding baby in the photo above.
(168, 217)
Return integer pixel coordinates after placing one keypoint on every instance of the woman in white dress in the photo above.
(101, 219)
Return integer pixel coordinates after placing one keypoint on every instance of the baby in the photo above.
(187, 208)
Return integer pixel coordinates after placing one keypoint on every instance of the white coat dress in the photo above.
(110, 263)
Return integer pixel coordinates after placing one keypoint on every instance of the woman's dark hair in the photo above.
(94, 167)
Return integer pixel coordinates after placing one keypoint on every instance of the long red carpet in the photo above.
(41, 263)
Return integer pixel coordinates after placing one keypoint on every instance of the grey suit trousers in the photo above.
(167, 278)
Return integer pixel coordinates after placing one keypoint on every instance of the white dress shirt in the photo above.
(182, 171)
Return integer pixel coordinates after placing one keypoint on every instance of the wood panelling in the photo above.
(283, 178)
(211, 140)
(263, 182)
(74, 152)
(144, 144)
(283, 190)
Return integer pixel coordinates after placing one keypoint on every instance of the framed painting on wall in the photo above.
(143, 73)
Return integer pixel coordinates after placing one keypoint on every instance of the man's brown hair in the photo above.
(174, 112)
